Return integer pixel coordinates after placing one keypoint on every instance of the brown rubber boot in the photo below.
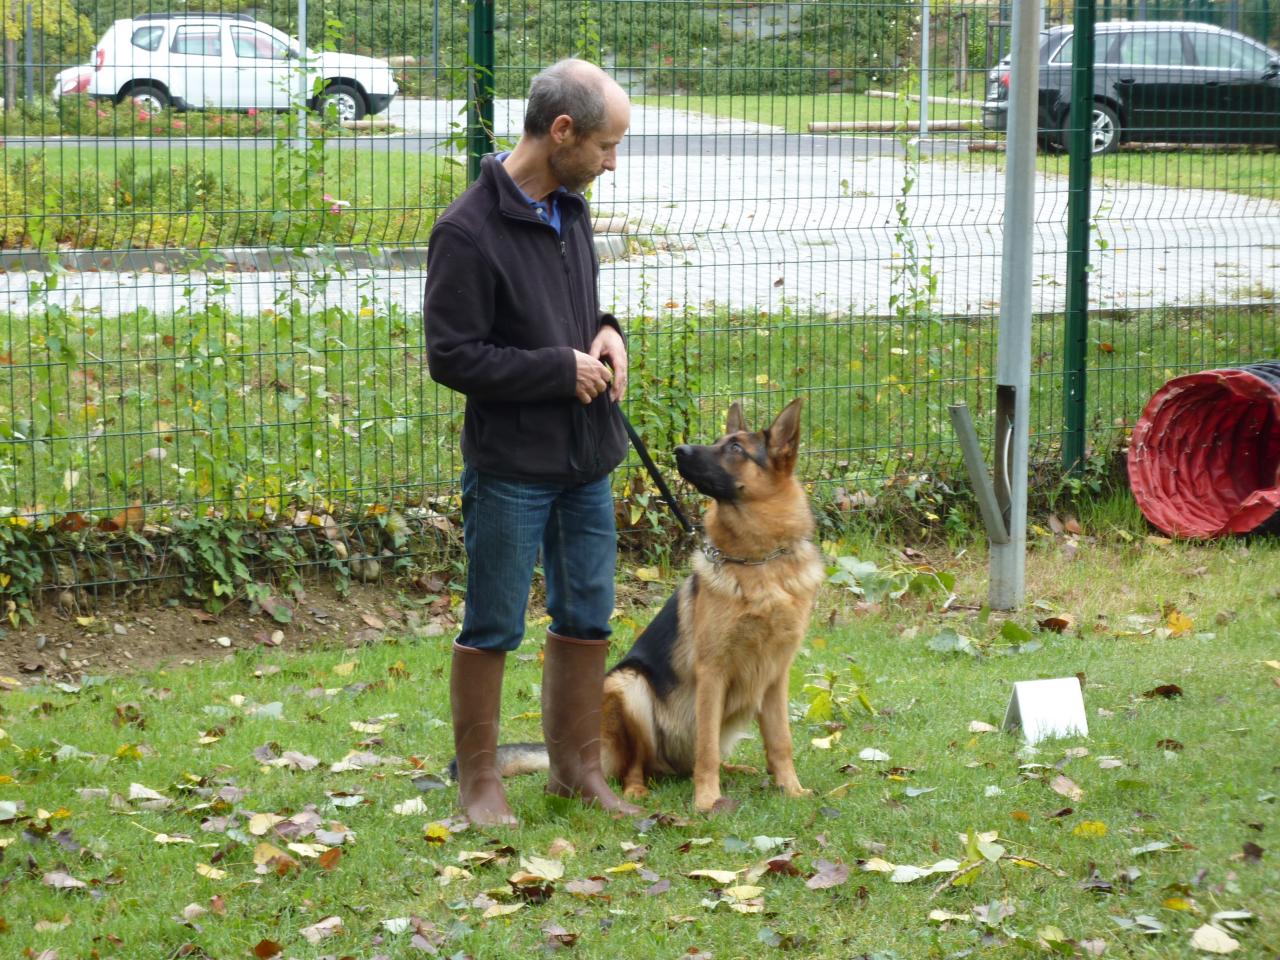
(475, 694)
(572, 688)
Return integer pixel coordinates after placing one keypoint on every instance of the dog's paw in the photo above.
(716, 805)
(791, 786)
(635, 791)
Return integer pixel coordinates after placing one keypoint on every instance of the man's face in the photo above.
(581, 158)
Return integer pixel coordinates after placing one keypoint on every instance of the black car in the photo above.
(1154, 81)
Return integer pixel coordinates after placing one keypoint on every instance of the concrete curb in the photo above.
(609, 246)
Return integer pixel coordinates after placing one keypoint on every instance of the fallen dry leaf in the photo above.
(61, 880)
(502, 910)
(719, 876)
(328, 927)
(1067, 788)
(591, 887)
(1209, 939)
(1058, 623)
(828, 874)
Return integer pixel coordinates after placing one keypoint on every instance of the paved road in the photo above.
(736, 214)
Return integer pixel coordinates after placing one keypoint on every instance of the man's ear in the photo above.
(561, 129)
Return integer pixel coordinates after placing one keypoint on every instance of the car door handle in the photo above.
(1213, 83)
(1126, 81)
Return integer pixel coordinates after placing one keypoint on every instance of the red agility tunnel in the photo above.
(1204, 460)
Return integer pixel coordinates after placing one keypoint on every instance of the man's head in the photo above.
(579, 115)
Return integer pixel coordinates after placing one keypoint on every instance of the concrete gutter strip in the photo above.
(610, 240)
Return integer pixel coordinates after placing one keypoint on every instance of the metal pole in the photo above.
(28, 51)
(924, 71)
(1013, 359)
(304, 92)
(1080, 146)
(481, 85)
(435, 46)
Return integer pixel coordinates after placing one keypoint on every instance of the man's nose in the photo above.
(611, 160)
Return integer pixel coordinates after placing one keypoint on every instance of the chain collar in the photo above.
(718, 558)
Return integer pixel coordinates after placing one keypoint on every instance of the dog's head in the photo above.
(742, 464)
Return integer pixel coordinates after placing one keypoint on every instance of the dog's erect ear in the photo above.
(735, 423)
(783, 435)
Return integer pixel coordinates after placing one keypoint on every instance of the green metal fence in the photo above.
(216, 311)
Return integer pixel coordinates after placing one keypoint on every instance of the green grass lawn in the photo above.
(795, 113)
(165, 193)
(201, 811)
(1252, 174)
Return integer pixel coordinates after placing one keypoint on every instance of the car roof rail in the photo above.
(195, 16)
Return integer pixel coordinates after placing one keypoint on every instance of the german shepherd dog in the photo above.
(718, 655)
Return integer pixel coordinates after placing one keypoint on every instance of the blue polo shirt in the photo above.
(548, 210)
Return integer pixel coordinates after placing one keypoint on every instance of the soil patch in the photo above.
(63, 645)
(114, 638)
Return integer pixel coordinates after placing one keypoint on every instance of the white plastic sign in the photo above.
(1047, 708)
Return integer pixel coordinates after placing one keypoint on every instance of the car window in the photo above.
(1104, 50)
(198, 41)
(256, 45)
(147, 38)
(1232, 53)
(1156, 48)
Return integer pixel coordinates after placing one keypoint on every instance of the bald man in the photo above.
(513, 322)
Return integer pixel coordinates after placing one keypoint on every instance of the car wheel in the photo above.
(150, 99)
(1104, 131)
(347, 102)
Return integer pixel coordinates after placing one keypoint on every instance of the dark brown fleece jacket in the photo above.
(507, 302)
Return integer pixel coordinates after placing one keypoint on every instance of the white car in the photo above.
(228, 61)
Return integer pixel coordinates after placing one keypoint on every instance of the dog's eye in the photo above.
(736, 447)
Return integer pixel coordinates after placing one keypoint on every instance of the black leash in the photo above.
(652, 467)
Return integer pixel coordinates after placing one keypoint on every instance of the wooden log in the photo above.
(889, 126)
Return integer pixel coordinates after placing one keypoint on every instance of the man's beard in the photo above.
(573, 177)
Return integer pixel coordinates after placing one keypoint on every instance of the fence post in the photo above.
(480, 86)
(303, 88)
(1013, 357)
(1080, 146)
(28, 55)
(924, 69)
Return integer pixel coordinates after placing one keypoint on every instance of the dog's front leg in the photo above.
(708, 717)
(775, 731)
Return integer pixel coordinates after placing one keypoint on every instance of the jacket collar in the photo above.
(512, 202)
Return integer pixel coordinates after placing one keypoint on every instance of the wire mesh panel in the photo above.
(213, 230)
(213, 241)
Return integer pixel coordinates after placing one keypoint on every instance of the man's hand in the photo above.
(609, 347)
(593, 377)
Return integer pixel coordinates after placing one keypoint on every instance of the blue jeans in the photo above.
(505, 522)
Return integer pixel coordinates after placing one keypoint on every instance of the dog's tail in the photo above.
(514, 759)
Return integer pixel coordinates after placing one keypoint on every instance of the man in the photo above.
(512, 321)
